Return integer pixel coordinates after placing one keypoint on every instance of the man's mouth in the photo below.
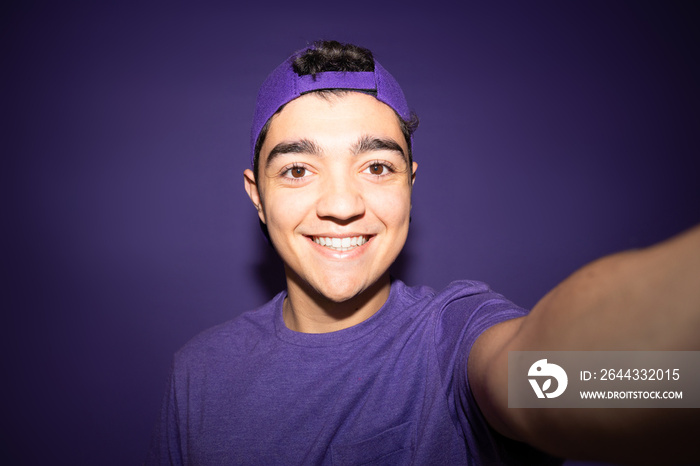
(340, 244)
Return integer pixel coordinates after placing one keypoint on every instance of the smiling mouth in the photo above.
(340, 244)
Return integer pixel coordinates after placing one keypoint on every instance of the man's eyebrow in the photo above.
(303, 146)
(370, 143)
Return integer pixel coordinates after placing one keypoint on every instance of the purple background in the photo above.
(552, 133)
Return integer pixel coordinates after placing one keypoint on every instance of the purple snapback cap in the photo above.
(284, 85)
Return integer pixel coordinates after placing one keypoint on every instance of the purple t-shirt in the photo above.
(390, 390)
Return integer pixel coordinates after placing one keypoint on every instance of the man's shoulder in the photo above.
(463, 304)
(464, 309)
(456, 291)
(479, 302)
(462, 289)
(236, 336)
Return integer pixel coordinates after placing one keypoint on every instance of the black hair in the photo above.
(331, 55)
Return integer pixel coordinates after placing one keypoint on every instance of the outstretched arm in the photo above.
(647, 299)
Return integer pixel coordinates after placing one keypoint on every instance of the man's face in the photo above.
(334, 189)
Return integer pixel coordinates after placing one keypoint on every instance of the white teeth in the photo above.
(340, 244)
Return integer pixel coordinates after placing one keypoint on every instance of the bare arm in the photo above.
(639, 300)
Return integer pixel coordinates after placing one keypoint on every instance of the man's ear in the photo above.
(413, 174)
(251, 187)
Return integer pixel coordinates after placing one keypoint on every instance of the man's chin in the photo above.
(338, 294)
(344, 291)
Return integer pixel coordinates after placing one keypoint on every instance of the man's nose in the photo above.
(341, 199)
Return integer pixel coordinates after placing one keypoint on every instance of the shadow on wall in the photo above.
(269, 270)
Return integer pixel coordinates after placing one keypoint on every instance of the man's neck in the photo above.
(307, 311)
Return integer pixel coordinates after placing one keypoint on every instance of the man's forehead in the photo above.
(315, 108)
(351, 117)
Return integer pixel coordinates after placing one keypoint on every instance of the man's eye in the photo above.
(377, 169)
(296, 172)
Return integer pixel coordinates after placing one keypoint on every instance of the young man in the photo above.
(350, 366)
